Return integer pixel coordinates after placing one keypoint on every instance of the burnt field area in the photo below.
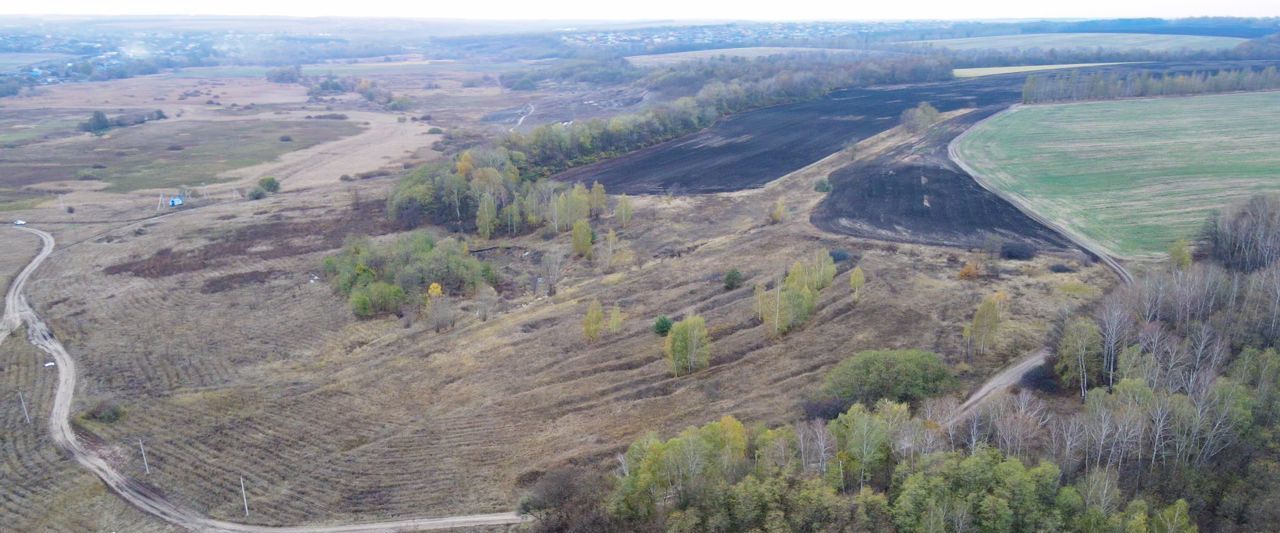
(750, 149)
(914, 193)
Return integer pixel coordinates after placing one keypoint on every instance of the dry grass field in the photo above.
(210, 327)
(43, 489)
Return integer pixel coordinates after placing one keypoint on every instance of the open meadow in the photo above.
(1132, 175)
(1131, 41)
(167, 154)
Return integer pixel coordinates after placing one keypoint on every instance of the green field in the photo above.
(991, 71)
(1087, 40)
(163, 154)
(1132, 175)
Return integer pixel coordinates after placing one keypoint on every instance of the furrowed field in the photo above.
(1134, 175)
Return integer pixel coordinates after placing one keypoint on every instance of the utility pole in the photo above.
(145, 465)
(244, 497)
(24, 408)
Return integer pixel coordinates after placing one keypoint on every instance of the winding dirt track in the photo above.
(16, 312)
(1014, 372)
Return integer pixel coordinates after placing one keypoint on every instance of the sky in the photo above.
(659, 9)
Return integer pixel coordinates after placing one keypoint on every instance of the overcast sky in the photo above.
(662, 9)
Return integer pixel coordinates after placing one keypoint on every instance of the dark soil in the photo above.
(882, 199)
(916, 194)
(269, 240)
(750, 149)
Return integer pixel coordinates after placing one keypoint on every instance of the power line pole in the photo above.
(244, 497)
(145, 465)
(24, 408)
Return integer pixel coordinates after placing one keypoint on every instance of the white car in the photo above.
(19, 222)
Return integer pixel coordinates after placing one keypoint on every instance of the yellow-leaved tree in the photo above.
(582, 238)
(688, 347)
(593, 323)
(857, 279)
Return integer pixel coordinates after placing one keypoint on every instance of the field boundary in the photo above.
(1095, 249)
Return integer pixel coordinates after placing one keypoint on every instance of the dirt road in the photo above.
(1013, 373)
(138, 494)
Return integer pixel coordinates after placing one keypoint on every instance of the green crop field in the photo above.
(1132, 175)
(1087, 40)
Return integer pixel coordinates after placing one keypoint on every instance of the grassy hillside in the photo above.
(1087, 40)
(1132, 175)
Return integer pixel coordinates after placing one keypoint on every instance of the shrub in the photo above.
(971, 270)
(366, 272)
(838, 255)
(732, 280)
(269, 184)
(778, 214)
(1019, 251)
(257, 193)
(919, 118)
(174, 148)
(435, 131)
(662, 326)
(1060, 268)
(106, 412)
(898, 375)
(97, 123)
(822, 408)
(290, 74)
(286, 139)
(822, 186)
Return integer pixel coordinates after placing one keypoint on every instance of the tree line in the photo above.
(721, 91)
(869, 469)
(1111, 85)
(1178, 376)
